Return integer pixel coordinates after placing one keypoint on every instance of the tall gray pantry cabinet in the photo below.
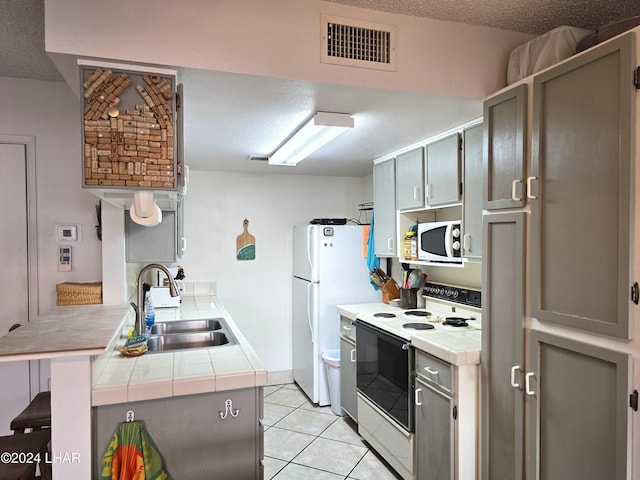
(559, 271)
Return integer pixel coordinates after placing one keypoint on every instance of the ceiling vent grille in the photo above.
(358, 44)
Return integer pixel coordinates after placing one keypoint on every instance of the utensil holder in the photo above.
(409, 298)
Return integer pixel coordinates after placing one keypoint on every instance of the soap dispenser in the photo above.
(149, 310)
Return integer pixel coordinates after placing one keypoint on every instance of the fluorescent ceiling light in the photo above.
(314, 134)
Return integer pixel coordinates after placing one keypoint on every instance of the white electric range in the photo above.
(426, 328)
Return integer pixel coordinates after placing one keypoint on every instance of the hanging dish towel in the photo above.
(133, 455)
(373, 262)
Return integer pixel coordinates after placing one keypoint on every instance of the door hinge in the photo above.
(177, 101)
(633, 400)
(454, 413)
(635, 293)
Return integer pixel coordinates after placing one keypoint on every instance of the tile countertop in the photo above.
(63, 332)
(118, 379)
(454, 345)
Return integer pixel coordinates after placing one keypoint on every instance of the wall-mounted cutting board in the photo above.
(245, 244)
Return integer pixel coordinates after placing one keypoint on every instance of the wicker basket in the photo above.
(79, 293)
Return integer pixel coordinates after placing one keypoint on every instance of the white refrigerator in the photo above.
(329, 269)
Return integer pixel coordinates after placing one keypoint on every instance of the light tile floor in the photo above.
(302, 440)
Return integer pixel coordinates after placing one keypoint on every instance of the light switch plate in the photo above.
(64, 258)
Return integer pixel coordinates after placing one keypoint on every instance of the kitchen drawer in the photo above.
(434, 371)
(394, 444)
(347, 330)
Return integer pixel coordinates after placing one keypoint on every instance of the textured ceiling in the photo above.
(529, 16)
(22, 52)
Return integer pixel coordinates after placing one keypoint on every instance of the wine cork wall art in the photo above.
(128, 130)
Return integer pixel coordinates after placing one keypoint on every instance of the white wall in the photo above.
(257, 292)
(276, 38)
(49, 111)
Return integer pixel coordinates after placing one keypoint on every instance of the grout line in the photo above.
(300, 407)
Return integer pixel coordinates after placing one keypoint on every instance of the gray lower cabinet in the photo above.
(434, 419)
(583, 179)
(442, 180)
(348, 381)
(579, 413)
(194, 439)
(384, 201)
(472, 185)
(505, 135)
(503, 342)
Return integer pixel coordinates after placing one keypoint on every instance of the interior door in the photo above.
(14, 295)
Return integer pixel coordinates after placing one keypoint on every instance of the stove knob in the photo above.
(456, 233)
(456, 245)
(456, 293)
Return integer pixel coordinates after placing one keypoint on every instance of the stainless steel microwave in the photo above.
(440, 242)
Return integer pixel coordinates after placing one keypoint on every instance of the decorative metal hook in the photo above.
(228, 405)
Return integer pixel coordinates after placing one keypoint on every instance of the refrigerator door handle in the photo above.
(309, 240)
(309, 287)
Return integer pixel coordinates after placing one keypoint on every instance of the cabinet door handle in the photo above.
(184, 244)
(530, 196)
(416, 399)
(390, 244)
(432, 372)
(466, 241)
(416, 193)
(346, 329)
(513, 376)
(514, 186)
(353, 355)
(527, 383)
(429, 192)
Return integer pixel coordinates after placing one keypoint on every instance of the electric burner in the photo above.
(456, 322)
(384, 315)
(418, 326)
(417, 313)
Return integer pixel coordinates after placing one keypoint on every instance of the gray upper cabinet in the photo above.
(442, 179)
(164, 242)
(410, 181)
(579, 410)
(384, 201)
(503, 345)
(472, 205)
(504, 149)
(582, 177)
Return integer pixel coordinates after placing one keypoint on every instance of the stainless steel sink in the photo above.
(181, 341)
(185, 326)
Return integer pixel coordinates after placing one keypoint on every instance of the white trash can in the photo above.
(331, 359)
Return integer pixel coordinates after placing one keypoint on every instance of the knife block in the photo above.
(390, 291)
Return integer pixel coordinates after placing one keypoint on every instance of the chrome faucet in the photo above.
(173, 291)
